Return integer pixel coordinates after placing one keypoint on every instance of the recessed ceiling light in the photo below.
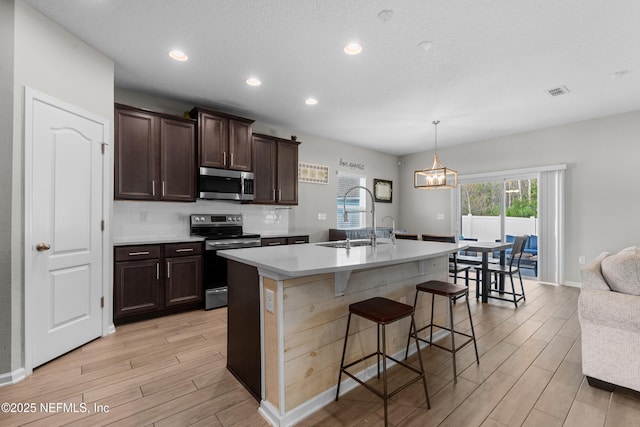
(353, 49)
(252, 81)
(311, 101)
(178, 55)
(425, 45)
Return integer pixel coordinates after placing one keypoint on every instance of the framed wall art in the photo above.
(383, 190)
(315, 174)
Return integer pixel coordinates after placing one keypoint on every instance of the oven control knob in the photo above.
(238, 218)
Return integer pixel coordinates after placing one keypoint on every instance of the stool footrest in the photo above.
(428, 341)
(372, 389)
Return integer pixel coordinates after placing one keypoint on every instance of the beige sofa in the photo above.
(609, 312)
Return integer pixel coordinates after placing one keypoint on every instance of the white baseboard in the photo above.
(300, 412)
(12, 377)
(573, 284)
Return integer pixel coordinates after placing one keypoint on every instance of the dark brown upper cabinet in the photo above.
(275, 169)
(224, 141)
(155, 156)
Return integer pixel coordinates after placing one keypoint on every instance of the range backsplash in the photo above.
(133, 219)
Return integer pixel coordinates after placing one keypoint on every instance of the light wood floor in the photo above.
(171, 372)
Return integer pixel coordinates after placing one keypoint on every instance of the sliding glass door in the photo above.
(499, 209)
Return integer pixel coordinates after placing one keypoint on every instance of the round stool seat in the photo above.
(442, 288)
(381, 310)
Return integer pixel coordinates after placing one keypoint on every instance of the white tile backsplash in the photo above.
(133, 219)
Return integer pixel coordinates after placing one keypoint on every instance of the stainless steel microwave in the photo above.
(224, 184)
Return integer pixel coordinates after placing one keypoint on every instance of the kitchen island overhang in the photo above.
(303, 294)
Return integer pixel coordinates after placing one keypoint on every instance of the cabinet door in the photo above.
(183, 282)
(137, 288)
(213, 137)
(287, 173)
(240, 145)
(136, 155)
(178, 160)
(264, 170)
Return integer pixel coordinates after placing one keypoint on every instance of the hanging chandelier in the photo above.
(437, 176)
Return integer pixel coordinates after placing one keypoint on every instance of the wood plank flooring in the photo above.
(172, 372)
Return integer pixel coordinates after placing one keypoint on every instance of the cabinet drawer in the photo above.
(133, 253)
(298, 240)
(182, 249)
(274, 241)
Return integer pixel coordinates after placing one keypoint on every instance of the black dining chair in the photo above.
(455, 267)
(406, 236)
(510, 269)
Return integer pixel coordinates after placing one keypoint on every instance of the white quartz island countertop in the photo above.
(312, 258)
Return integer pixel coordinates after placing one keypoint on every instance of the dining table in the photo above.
(487, 248)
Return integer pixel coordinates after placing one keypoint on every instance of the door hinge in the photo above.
(103, 147)
(102, 225)
(101, 302)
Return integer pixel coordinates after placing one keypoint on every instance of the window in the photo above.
(356, 200)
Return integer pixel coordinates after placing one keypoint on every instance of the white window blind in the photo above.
(356, 200)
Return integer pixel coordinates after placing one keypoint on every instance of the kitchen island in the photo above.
(288, 306)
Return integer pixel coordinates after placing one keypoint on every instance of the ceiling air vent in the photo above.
(557, 91)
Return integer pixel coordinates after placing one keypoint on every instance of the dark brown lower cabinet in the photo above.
(154, 280)
(243, 326)
(184, 280)
(137, 288)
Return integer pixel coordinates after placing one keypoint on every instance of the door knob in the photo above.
(43, 247)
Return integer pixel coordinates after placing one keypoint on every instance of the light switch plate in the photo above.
(322, 217)
(440, 216)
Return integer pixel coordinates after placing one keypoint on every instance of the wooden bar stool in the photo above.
(452, 292)
(382, 311)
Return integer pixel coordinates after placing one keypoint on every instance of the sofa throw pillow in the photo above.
(622, 271)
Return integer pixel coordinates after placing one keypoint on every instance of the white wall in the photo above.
(6, 138)
(601, 190)
(313, 198)
(51, 60)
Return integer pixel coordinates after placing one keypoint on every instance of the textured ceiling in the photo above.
(486, 74)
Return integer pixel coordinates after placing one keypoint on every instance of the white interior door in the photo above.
(66, 213)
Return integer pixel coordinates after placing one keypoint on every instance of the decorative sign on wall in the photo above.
(351, 165)
(316, 174)
(383, 190)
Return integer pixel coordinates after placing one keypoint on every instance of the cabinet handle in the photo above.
(138, 253)
(231, 162)
(274, 243)
(168, 270)
(162, 188)
(185, 250)
(274, 194)
(279, 195)
(157, 271)
(299, 241)
(224, 158)
(153, 188)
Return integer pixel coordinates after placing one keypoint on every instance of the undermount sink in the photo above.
(352, 243)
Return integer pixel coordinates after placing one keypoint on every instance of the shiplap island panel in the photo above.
(303, 332)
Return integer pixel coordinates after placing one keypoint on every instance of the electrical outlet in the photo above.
(581, 259)
(270, 302)
(322, 217)
(440, 216)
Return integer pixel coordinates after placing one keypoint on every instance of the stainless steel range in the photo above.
(221, 231)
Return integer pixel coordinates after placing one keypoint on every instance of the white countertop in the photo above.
(155, 240)
(309, 259)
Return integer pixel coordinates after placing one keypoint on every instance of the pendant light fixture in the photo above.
(438, 176)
